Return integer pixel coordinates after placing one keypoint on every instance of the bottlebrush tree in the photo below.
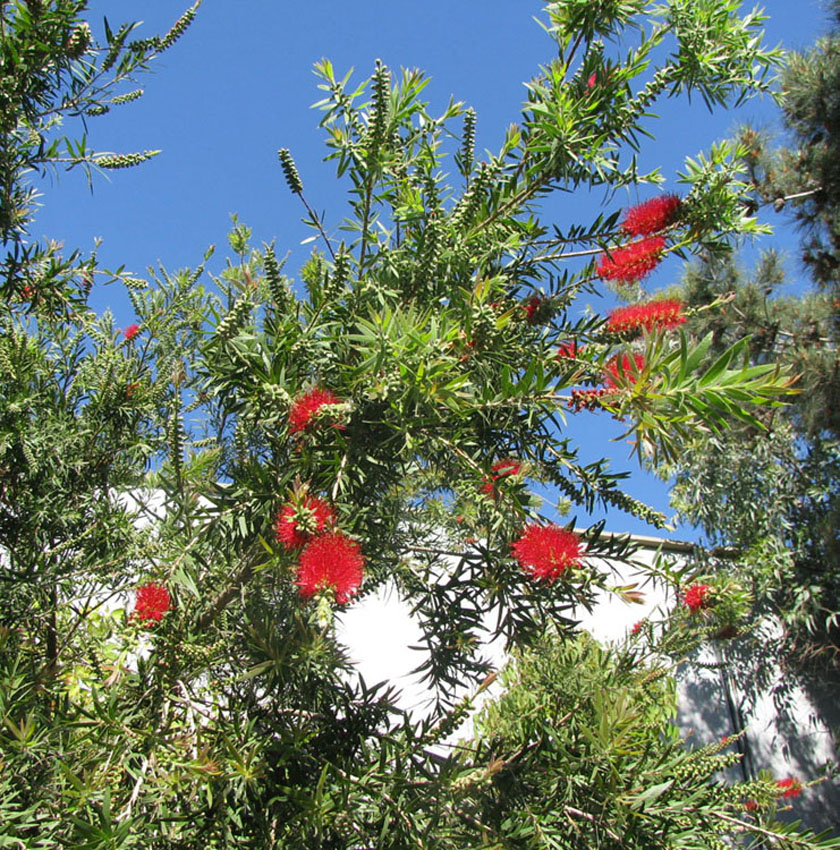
(387, 422)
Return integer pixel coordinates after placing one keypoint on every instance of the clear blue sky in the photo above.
(239, 85)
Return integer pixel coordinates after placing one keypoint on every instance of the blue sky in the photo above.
(239, 85)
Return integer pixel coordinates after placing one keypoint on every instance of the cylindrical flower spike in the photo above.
(654, 314)
(632, 262)
(651, 216)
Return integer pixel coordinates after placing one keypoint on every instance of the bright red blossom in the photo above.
(633, 261)
(696, 597)
(629, 369)
(151, 603)
(334, 561)
(546, 551)
(500, 469)
(531, 306)
(651, 216)
(751, 805)
(637, 627)
(569, 351)
(295, 525)
(791, 787)
(305, 407)
(654, 314)
(131, 331)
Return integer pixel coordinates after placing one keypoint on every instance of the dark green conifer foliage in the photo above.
(804, 176)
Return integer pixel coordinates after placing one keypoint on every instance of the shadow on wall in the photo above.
(789, 717)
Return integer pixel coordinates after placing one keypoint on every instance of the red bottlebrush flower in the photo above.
(334, 561)
(637, 627)
(696, 597)
(531, 307)
(569, 351)
(750, 805)
(500, 469)
(151, 603)
(296, 525)
(790, 787)
(632, 262)
(131, 331)
(546, 551)
(630, 369)
(590, 83)
(305, 407)
(655, 314)
(651, 216)
(130, 389)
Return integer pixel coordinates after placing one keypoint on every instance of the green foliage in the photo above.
(585, 755)
(233, 717)
(672, 387)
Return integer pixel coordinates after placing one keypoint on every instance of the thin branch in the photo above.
(804, 194)
(224, 598)
(318, 224)
(468, 819)
(83, 614)
(570, 810)
(516, 201)
(567, 62)
(135, 793)
(563, 255)
(365, 225)
(523, 400)
(570, 240)
(341, 467)
(761, 831)
(460, 452)
(94, 85)
(431, 550)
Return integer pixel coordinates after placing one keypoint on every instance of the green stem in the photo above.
(365, 224)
